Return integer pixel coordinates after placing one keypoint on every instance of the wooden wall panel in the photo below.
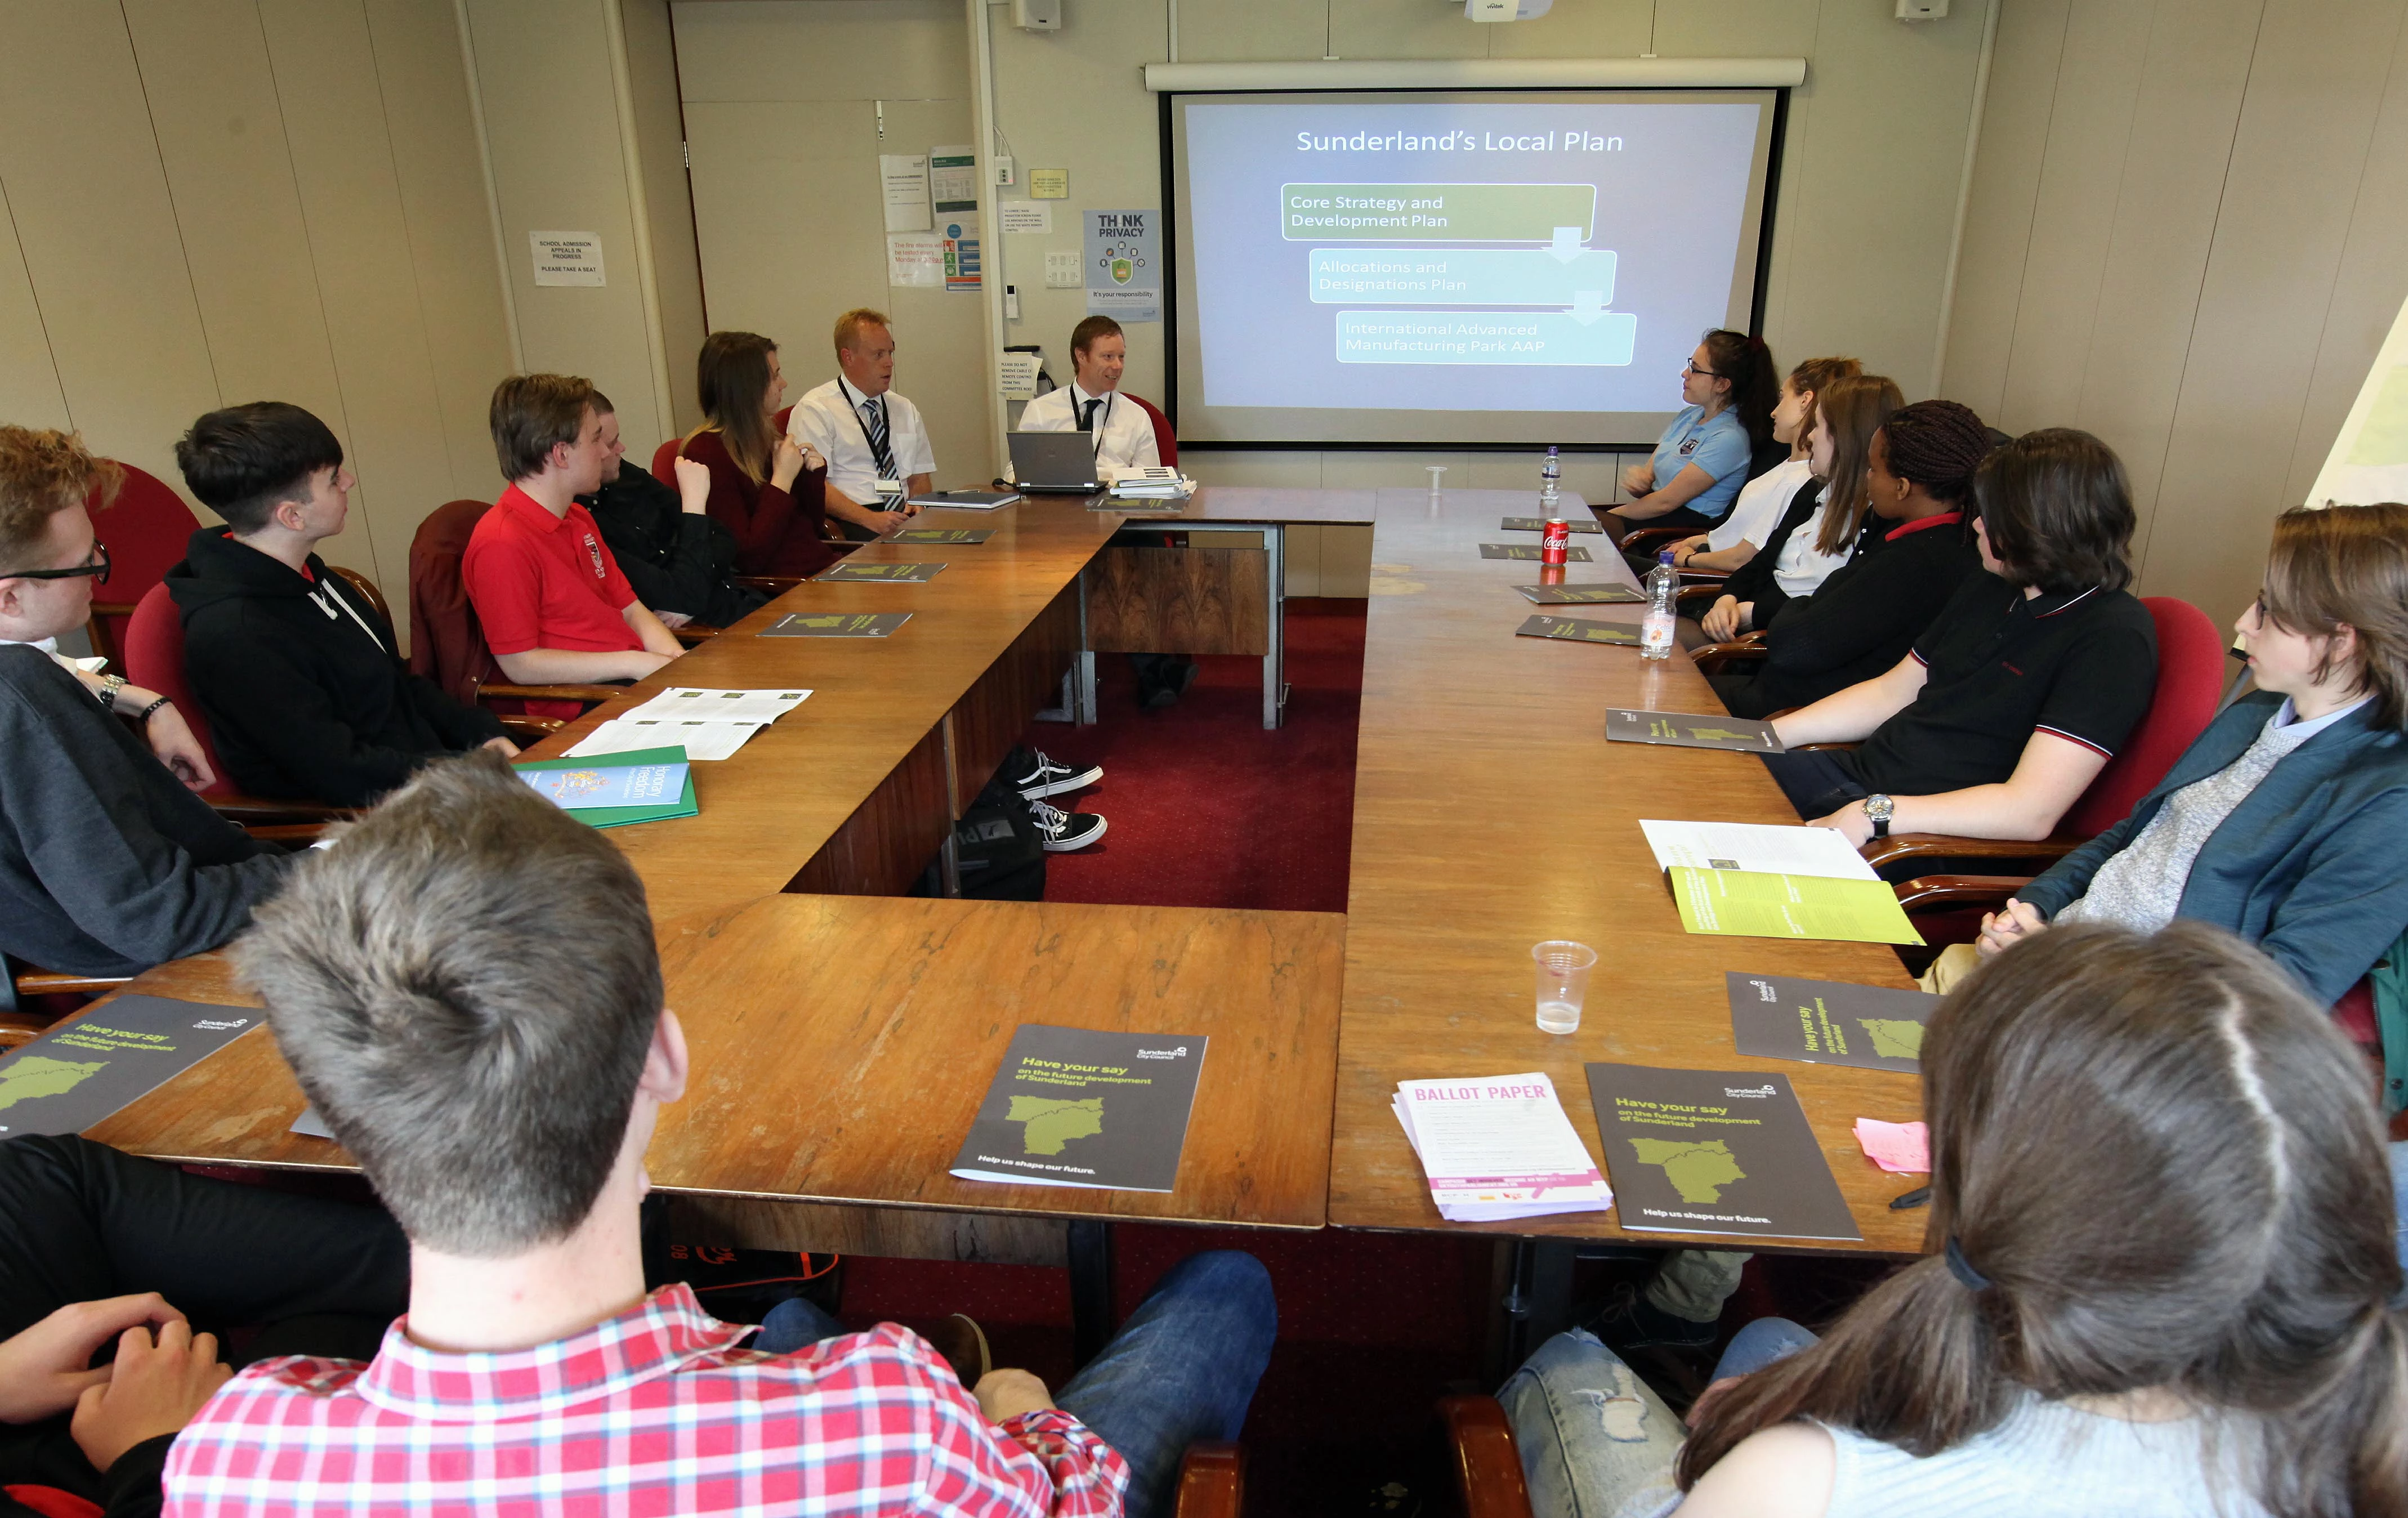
(30, 395)
(989, 719)
(892, 836)
(1197, 600)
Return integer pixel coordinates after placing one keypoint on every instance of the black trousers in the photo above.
(1817, 783)
(79, 1221)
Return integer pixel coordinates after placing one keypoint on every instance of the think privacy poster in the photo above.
(1123, 265)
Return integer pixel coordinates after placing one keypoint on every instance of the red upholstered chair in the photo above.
(446, 644)
(2190, 676)
(664, 458)
(1166, 440)
(144, 530)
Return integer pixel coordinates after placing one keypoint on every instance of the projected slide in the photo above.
(1414, 255)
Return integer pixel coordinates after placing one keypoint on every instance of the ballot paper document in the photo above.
(707, 723)
(1756, 847)
(1499, 1147)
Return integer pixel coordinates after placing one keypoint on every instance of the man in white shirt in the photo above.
(1092, 403)
(877, 449)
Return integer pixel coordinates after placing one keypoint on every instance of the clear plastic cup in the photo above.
(1437, 474)
(1563, 983)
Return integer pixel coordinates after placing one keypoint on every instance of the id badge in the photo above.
(890, 487)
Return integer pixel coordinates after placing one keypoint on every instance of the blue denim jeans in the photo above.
(2400, 1201)
(1182, 1369)
(1596, 1443)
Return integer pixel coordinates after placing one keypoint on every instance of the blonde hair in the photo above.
(848, 325)
(42, 473)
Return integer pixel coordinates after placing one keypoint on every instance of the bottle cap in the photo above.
(1664, 557)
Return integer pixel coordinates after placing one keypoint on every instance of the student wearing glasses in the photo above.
(109, 863)
(1727, 391)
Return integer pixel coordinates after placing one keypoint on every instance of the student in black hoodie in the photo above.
(303, 683)
(672, 551)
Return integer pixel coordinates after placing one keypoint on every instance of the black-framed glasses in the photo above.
(1690, 366)
(97, 567)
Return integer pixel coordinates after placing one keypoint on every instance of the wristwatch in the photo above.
(1878, 809)
(109, 687)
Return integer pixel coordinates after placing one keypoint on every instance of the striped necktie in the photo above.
(873, 426)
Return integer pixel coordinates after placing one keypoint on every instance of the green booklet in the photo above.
(942, 534)
(1745, 904)
(685, 806)
(1071, 1107)
(1578, 594)
(1715, 1152)
(1574, 630)
(909, 574)
(79, 1072)
(1538, 525)
(837, 625)
(1531, 551)
(1828, 1022)
(1688, 730)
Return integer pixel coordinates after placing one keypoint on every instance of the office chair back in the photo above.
(154, 658)
(664, 461)
(1166, 438)
(446, 643)
(2190, 676)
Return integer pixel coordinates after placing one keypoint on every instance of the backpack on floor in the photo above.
(998, 852)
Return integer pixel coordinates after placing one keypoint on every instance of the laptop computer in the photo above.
(1054, 461)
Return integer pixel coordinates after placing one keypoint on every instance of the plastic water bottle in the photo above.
(1662, 591)
(1551, 488)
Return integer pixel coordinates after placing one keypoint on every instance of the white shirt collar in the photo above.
(846, 389)
(2287, 719)
(1079, 397)
(48, 645)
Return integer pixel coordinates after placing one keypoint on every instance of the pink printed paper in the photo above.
(1904, 1148)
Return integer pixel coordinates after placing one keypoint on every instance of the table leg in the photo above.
(1275, 661)
(1534, 1280)
(1090, 1253)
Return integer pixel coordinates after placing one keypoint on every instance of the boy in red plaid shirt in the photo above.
(467, 988)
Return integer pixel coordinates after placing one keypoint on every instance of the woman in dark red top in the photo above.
(765, 489)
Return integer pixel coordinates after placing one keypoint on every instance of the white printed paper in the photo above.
(700, 739)
(1498, 1146)
(1024, 215)
(691, 703)
(1016, 375)
(567, 258)
(953, 177)
(1758, 847)
(915, 259)
(905, 181)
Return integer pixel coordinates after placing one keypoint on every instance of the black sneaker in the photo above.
(1628, 1323)
(1051, 777)
(1066, 830)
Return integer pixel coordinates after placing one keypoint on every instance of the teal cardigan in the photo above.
(2310, 866)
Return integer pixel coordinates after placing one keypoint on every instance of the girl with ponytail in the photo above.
(1728, 389)
(2161, 1280)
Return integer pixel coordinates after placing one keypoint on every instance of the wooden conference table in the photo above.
(843, 1032)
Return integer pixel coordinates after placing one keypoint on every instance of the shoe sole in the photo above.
(1074, 845)
(1071, 783)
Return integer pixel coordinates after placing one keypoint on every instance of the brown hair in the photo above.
(1812, 378)
(42, 473)
(466, 987)
(848, 325)
(1754, 383)
(1853, 408)
(2348, 566)
(733, 375)
(1084, 336)
(531, 413)
(2159, 1166)
(2058, 510)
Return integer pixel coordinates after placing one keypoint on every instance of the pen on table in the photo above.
(1916, 1197)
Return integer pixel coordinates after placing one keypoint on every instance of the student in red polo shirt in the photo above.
(554, 606)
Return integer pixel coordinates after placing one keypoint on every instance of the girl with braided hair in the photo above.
(2160, 1281)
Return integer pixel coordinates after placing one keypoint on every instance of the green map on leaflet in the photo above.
(1894, 1038)
(1697, 1169)
(32, 1075)
(1048, 1123)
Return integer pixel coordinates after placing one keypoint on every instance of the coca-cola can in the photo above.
(1555, 547)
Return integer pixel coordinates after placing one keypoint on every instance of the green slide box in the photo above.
(1434, 212)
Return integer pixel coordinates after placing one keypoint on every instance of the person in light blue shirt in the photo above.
(1727, 388)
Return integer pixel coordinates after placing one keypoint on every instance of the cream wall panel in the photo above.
(29, 380)
(213, 101)
(1597, 29)
(2367, 288)
(829, 49)
(80, 167)
(552, 133)
(2317, 81)
(668, 209)
(1235, 30)
(1401, 29)
(440, 173)
(2024, 71)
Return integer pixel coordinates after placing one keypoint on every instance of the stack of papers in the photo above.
(1157, 482)
(707, 723)
(1747, 880)
(1499, 1147)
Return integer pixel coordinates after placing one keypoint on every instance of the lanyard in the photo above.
(1101, 423)
(846, 390)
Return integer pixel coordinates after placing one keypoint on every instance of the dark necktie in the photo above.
(1088, 415)
(873, 426)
